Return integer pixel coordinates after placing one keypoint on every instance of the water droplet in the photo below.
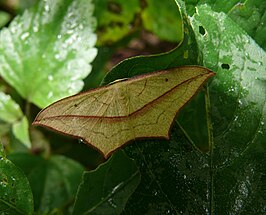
(111, 202)
(240, 102)
(185, 176)
(50, 78)
(50, 94)
(231, 89)
(59, 36)
(70, 31)
(13, 29)
(47, 8)
(35, 29)
(262, 123)
(24, 36)
(57, 57)
(81, 26)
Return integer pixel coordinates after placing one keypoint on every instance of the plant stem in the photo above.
(27, 110)
(211, 146)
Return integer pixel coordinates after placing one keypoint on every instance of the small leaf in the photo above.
(141, 107)
(54, 181)
(15, 192)
(21, 131)
(11, 113)
(50, 47)
(9, 110)
(107, 189)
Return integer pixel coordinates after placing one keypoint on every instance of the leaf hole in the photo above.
(166, 79)
(75, 105)
(225, 66)
(202, 30)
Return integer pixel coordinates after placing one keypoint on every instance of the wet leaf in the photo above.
(107, 189)
(15, 192)
(249, 15)
(54, 182)
(50, 47)
(237, 96)
(177, 178)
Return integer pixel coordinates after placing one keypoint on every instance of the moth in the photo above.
(110, 116)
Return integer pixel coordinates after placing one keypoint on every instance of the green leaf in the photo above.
(4, 18)
(15, 192)
(107, 189)
(165, 22)
(54, 182)
(177, 178)
(186, 53)
(114, 18)
(50, 47)
(238, 111)
(11, 113)
(251, 16)
(9, 110)
(21, 131)
(174, 177)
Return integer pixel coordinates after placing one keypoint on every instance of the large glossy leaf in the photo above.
(107, 189)
(179, 179)
(15, 192)
(238, 112)
(54, 182)
(50, 48)
(249, 15)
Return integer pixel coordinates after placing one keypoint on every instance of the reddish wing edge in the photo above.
(37, 122)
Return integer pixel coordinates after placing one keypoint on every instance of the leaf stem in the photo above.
(211, 146)
(27, 110)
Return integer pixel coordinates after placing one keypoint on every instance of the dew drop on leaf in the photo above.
(50, 78)
(50, 94)
(47, 8)
(35, 29)
(24, 36)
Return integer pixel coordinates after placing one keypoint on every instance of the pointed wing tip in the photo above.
(35, 123)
